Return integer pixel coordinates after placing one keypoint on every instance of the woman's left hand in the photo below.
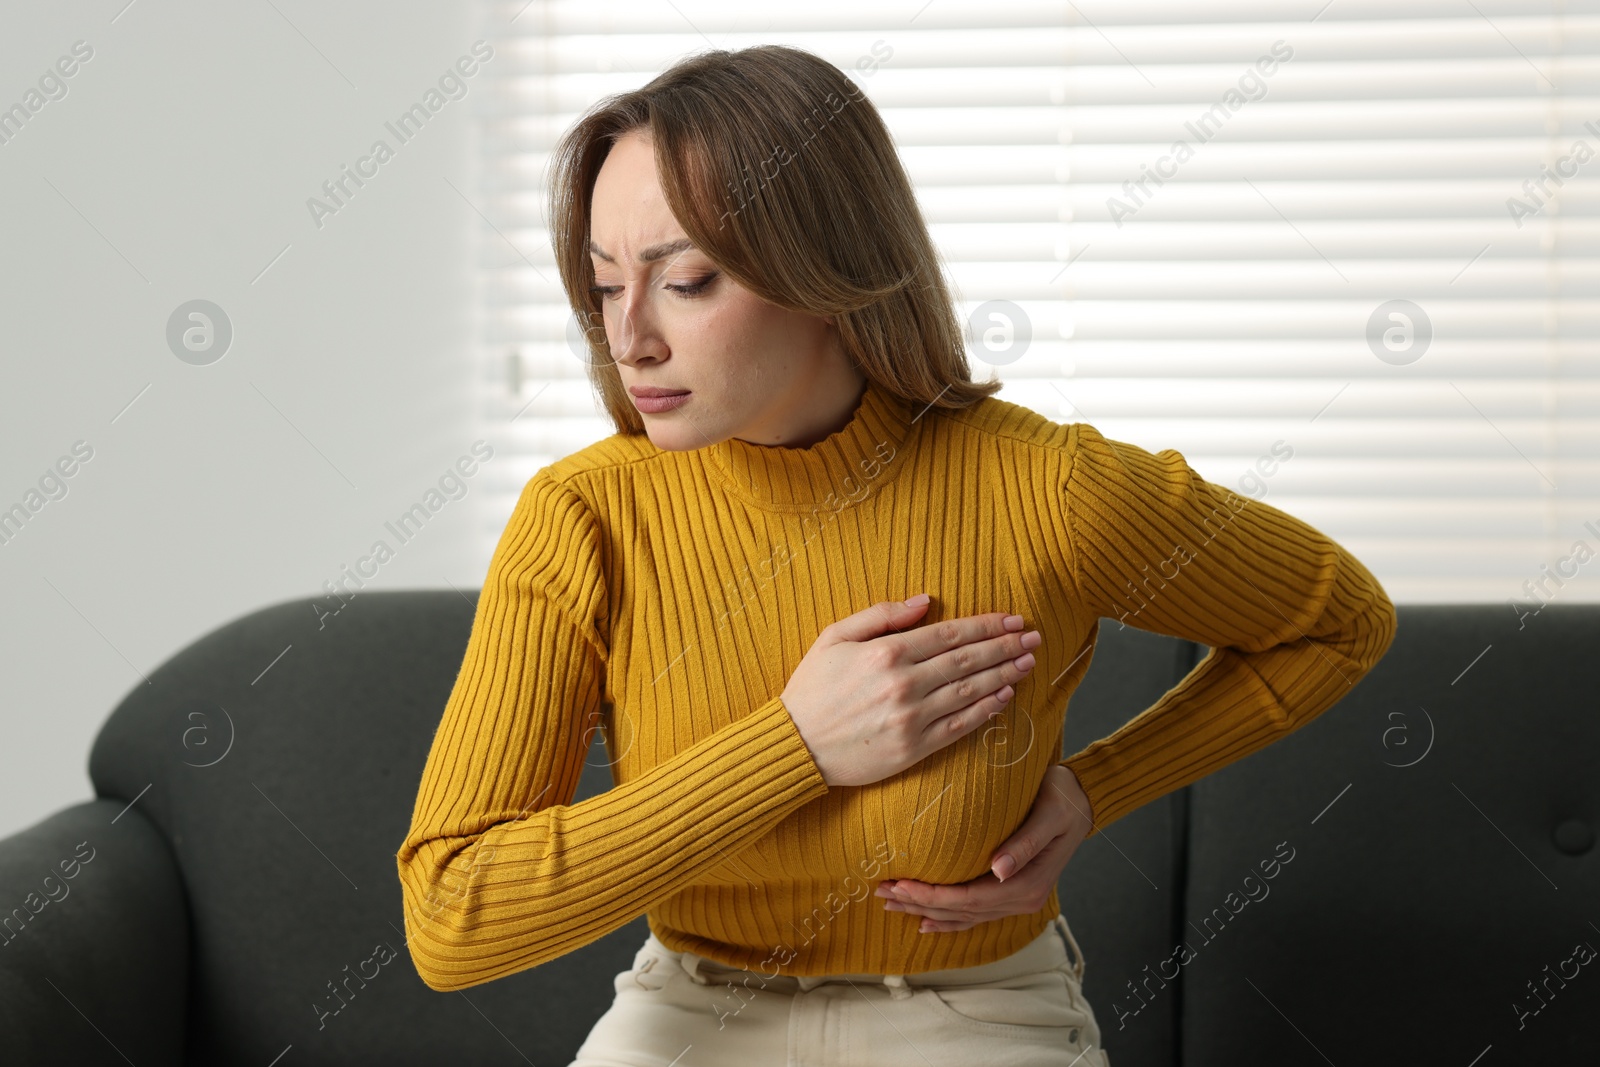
(1057, 824)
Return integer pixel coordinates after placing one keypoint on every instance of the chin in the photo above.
(677, 437)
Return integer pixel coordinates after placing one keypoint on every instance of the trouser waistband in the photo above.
(1042, 953)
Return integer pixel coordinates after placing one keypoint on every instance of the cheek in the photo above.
(725, 327)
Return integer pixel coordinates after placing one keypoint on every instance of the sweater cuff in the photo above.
(1083, 767)
(791, 753)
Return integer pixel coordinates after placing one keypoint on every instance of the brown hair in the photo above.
(783, 173)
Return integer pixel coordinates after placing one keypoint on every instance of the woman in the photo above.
(726, 584)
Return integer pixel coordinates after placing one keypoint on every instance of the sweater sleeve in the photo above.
(499, 870)
(1293, 620)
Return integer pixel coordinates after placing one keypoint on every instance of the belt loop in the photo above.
(643, 969)
(691, 965)
(1060, 922)
(896, 984)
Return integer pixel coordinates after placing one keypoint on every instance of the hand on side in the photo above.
(1031, 859)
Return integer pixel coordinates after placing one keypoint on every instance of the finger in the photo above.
(960, 705)
(1012, 643)
(962, 693)
(958, 920)
(952, 915)
(931, 643)
(877, 620)
(1041, 872)
(1021, 847)
(983, 897)
(936, 901)
(953, 680)
(1042, 827)
(912, 891)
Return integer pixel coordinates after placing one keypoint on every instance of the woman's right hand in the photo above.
(870, 702)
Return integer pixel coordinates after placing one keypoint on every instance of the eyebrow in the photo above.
(649, 255)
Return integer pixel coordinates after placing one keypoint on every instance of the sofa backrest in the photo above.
(279, 756)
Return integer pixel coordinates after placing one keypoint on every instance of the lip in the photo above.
(654, 401)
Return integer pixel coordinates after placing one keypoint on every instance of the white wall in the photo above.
(177, 166)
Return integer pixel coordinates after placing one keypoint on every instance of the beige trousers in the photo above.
(683, 1010)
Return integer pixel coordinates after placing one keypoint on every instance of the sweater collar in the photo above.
(847, 465)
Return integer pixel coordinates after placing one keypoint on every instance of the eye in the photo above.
(689, 289)
(693, 288)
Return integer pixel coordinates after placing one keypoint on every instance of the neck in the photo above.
(836, 470)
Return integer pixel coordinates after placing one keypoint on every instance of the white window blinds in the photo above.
(1342, 256)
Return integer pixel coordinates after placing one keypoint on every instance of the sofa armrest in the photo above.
(94, 941)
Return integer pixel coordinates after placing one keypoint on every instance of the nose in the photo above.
(630, 328)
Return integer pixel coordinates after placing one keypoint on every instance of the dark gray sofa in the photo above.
(1429, 842)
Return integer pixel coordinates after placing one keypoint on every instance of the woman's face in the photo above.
(674, 321)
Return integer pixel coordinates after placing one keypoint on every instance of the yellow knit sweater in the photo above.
(668, 596)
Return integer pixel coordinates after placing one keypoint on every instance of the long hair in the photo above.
(782, 172)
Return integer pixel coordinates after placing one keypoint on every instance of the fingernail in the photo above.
(1024, 661)
(1003, 867)
(1031, 639)
(918, 600)
(1013, 622)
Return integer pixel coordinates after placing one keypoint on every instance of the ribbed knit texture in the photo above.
(668, 596)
